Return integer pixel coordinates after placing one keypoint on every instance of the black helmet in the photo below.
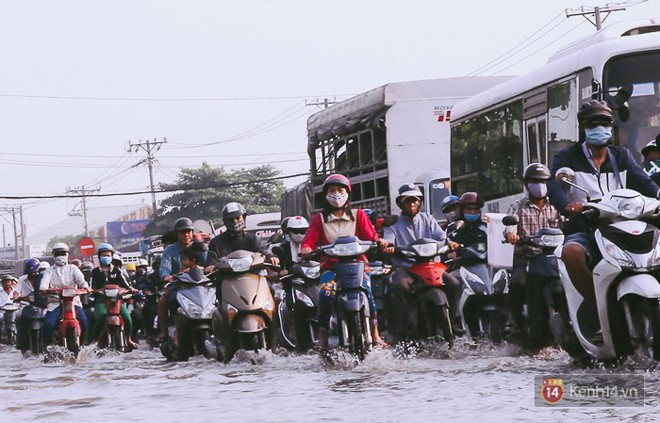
(593, 110)
(233, 210)
(654, 144)
(183, 224)
(471, 198)
(536, 171)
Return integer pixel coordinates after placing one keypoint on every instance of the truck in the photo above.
(389, 136)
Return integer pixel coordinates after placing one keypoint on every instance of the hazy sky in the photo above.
(79, 79)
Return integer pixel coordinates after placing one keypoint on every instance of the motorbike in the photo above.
(299, 306)
(352, 302)
(8, 312)
(482, 307)
(625, 279)
(544, 294)
(430, 309)
(244, 318)
(113, 335)
(381, 283)
(35, 315)
(68, 331)
(193, 332)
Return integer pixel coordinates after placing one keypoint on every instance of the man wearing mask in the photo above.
(651, 153)
(534, 212)
(599, 167)
(57, 276)
(28, 284)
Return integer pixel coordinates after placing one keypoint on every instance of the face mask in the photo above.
(337, 200)
(651, 168)
(235, 226)
(598, 136)
(61, 260)
(453, 216)
(537, 190)
(105, 261)
(297, 238)
(469, 217)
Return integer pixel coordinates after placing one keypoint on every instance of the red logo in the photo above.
(443, 116)
(552, 390)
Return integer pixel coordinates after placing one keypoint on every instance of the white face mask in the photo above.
(61, 260)
(297, 238)
(337, 200)
(537, 190)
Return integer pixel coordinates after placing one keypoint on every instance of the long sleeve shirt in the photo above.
(407, 230)
(61, 276)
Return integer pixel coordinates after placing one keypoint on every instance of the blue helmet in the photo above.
(31, 265)
(449, 201)
(105, 247)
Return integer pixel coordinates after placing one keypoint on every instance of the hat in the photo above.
(653, 144)
(408, 190)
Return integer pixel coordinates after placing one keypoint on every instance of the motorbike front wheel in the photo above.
(36, 345)
(252, 341)
(201, 339)
(445, 325)
(117, 338)
(72, 341)
(495, 322)
(356, 335)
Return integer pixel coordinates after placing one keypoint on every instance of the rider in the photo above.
(412, 225)
(338, 219)
(28, 284)
(651, 153)
(534, 212)
(451, 209)
(108, 274)
(43, 265)
(288, 251)
(60, 275)
(8, 293)
(599, 167)
(474, 231)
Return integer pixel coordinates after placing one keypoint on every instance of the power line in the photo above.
(149, 147)
(166, 99)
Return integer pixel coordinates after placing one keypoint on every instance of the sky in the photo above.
(81, 79)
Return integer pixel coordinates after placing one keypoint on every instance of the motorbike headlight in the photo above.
(240, 264)
(111, 293)
(552, 240)
(426, 250)
(350, 249)
(629, 208)
(304, 298)
(69, 292)
(618, 254)
(312, 272)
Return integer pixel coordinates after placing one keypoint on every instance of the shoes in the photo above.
(458, 329)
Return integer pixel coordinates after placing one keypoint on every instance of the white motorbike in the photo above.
(626, 287)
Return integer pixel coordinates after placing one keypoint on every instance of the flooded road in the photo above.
(432, 384)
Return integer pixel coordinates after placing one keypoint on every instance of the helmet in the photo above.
(87, 266)
(337, 179)
(117, 257)
(449, 201)
(283, 224)
(470, 198)
(233, 210)
(142, 263)
(8, 278)
(652, 145)
(59, 247)
(408, 190)
(76, 262)
(183, 224)
(297, 222)
(105, 247)
(43, 265)
(536, 171)
(594, 109)
(130, 267)
(31, 265)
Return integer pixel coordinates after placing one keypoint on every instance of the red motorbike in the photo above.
(430, 308)
(113, 335)
(69, 331)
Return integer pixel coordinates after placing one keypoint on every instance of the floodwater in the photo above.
(429, 384)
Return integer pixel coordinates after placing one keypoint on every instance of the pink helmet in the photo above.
(337, 179)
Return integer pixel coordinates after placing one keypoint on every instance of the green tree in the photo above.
(207, 189)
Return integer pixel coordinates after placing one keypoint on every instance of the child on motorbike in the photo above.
(8, 293)
(338, 219)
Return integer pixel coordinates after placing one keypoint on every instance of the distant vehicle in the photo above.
(264, 225)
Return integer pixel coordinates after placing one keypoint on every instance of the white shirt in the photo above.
(24, 286)
(61, 276)
(6, 298)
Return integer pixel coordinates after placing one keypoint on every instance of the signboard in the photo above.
(126, 232)
(86, 246)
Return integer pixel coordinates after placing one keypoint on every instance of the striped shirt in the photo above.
(531, 220)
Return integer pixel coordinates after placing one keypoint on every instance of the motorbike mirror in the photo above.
(624, 112)
(455, 226)
(623, 94)
(565, 175)
(510, 220)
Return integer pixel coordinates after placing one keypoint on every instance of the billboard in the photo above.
(126, 231)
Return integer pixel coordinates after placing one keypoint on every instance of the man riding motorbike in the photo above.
(28, 284)
(451, 209)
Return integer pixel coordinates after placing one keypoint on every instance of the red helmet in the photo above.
(337, 179)
(471, 198)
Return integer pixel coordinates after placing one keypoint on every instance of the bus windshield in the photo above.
(639, 71)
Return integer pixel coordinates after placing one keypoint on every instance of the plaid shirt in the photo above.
(531, 219)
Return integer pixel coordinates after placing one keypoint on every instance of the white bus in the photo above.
(496, 133)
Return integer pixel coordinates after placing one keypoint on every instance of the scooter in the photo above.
(69, 331)
(113, 335)
(9, 311)
(33, 313)
(352, 302)
(482, 305)
(544, 294)
(193, 331)
(431, 306)
(245, 317)
(299, 306)
(625, 283)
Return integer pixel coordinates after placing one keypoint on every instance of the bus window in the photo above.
(562, 117)
(532, 143)
(438, 190)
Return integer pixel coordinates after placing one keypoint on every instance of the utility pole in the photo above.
(326, 102)
(11, 210)
(22, 233)
(82, 211)
(597, 12)
(150, 147)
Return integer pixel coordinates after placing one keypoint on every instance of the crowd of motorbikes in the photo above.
(253, 313)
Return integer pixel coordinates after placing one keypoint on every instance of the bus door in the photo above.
(537, 146)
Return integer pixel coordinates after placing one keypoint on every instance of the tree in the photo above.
(206, 190)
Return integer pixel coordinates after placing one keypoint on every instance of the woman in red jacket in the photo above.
(338, 219)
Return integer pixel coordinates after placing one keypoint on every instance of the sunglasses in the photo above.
(298, 231)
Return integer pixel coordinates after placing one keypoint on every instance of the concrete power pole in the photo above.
(149, 147)
(11, 210)
(597, 12)
(82, 211)
(326, 102)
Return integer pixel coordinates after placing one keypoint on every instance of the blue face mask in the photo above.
(105, 260)
(598, 136)
(469, 217)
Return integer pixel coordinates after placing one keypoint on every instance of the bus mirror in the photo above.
(623, 94)
(565, 175)
(510, 220)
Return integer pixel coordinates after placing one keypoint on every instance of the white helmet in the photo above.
(59, 247)
(297, 222)
(43, 265)
(142, 263)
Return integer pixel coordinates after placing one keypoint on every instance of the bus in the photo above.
(530, 118)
